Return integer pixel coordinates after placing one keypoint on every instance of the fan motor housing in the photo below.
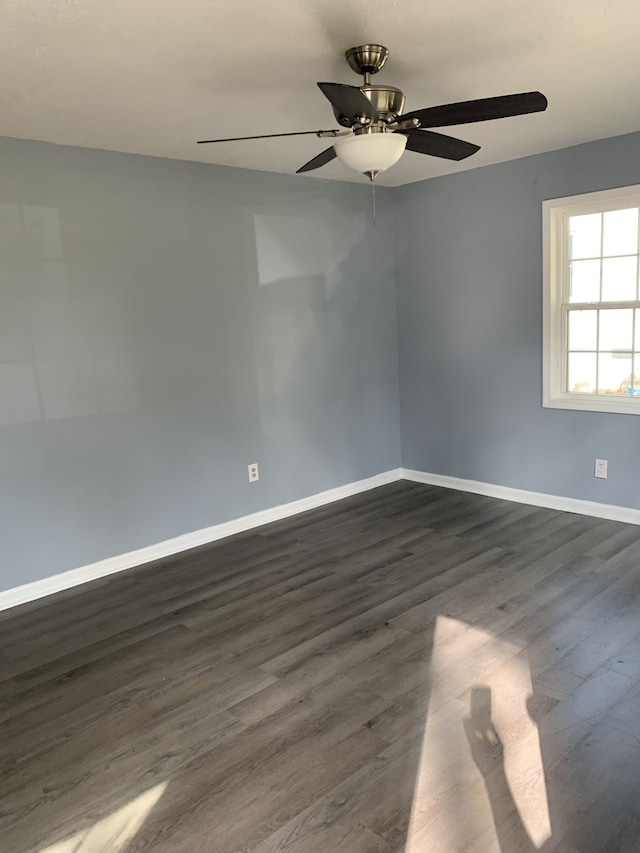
(388, 101)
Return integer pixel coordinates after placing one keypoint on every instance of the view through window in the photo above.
(603, 315)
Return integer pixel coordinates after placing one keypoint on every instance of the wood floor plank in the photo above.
(410, 669)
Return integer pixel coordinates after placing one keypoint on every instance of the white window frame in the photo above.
(555, 245)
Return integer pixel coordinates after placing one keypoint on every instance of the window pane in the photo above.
(616, 328)
(583, 330)
(620, 232)
(585, 281)
(584, 236)
(582, 373)
(614, 373)
(636, 374)
(619, 278)
(637, 345)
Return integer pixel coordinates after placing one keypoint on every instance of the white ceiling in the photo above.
(153, 76)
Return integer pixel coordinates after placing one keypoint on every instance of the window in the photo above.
(592, 302)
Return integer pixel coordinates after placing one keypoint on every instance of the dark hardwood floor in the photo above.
(412, 669)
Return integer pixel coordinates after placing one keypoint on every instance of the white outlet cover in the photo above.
(601, 469)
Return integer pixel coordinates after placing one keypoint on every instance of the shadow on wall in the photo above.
(321, 364)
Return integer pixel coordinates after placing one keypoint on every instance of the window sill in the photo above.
(591, 403)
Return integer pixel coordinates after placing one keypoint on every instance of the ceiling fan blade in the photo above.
(482, 109)
(273, 135)
(349, 100)
(438, 145)
(320, 159)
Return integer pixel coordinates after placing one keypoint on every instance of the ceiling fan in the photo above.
(377, 131)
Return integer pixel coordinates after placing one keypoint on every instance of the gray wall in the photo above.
(162, 324)
(469, 270)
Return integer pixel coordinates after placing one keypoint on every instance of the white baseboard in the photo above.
(94, 571)
(521, 496)
(112, 565)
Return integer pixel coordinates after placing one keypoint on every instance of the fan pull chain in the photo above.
(372, 175)
(373, 196)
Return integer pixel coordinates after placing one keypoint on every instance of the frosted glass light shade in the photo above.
(370, 152)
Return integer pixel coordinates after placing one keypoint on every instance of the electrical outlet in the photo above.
(601, 469)
(253, 472)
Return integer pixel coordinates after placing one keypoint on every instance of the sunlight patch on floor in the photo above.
(114, 832)
(480, 762)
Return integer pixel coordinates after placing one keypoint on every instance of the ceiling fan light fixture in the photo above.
(371, 110)
(370, 152)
